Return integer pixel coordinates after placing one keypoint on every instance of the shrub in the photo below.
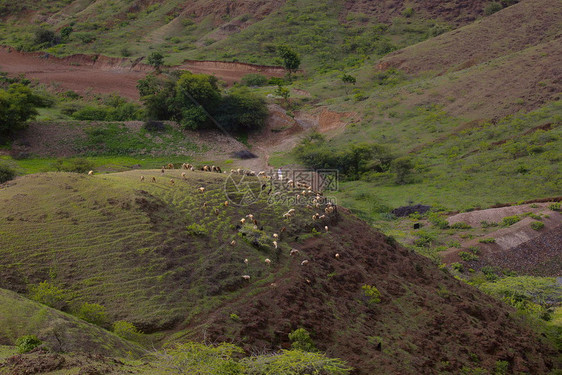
(467, 257)
(27, 343)
(126, 330)
(460, 225)
(50, 295)
(254, 79)
(537, 225)
(492, 8)
(78, 165)
(301, 340)
(6, 173)
(196, 230)
(295, 362)
(437, 220)
(510, 220)
(555, 206)
(424, 239)
(372, 293)
(17, 106)
(408, 12)
(402, 168)
(485, 224)
(487, 240)
(92, 313)
(457, 266)
(502, 368)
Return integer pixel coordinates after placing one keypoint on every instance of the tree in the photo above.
(347, 78)
(291, 59)
(17, 105)
(241, 110)
(283, 92)
(156, 59)
(402, 168)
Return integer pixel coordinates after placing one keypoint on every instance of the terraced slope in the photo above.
(160, 254)
(20, 316)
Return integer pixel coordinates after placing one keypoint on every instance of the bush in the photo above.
(460, 225)
(457, 267)
(487, 240)
(301, 340)
(126, 330)
(27, 343)
(437, 220)
(467, 257)
(92, 313)
(78, 165)
(372, 293)
(492, 8)
(537, 225)
(254, 79)
(555, 206)
(402, 168)
(510, 220)
(50, 295)
(6, 173)
(295, 362)
(17, 106)
(196, 230)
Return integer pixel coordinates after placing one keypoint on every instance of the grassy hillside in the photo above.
(58, 331)
(154, 254)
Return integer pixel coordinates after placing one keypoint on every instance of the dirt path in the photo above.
(101, 74)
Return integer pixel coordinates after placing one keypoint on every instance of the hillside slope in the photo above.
(58, 331)
(160, 255)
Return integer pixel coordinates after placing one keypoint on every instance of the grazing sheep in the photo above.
(202, 189)
(283, 229)
(170, 166)
(226, 203)
(326, 228)
(329, 209)
(337, 255)
(172, 181)
(153, 179)
(242, 221)
(183, 175)
(294, 252)
(250, 216)
(255, 222)
(192, 169)
(267, 261)
(275, 244)
(206, 168)
(217, 211)
(142, 178)
(233, 242)
(218, 169)
(322, 217)
(308, 281)
(246, 277)
(162, 171)
(275, 235)
(304, 262)
(246, 260)
(291, 211)
(90, 173)
(205, 204)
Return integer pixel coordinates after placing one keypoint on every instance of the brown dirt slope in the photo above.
(513, 29)
(426, 322)
(457, 12)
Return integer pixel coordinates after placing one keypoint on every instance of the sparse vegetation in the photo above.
(537, 225)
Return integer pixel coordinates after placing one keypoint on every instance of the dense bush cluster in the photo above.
(352, 161)
(6, 173)
(17, 105)
(196, 102)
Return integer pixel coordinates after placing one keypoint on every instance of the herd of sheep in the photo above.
(329, 208)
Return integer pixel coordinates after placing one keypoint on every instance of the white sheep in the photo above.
(294, 252)
(242, 221)
(275, 235)
(153, 179)
(172, 181)
(275, 244)
(90, 173)
(183, 175)
(267, 261)
(337, 255)
(326, 228)
(202, 189)
(233, 242)
(304, 262)
(142, 178)
(250, 216)
(225, 203)
(246, 260)
(246, 277)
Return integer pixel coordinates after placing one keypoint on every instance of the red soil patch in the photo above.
(427, 322)
(101, 74)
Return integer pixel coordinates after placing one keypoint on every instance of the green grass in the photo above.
(91, 222)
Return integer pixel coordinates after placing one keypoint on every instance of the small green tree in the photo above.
(6, 173)
(283, 92)
(291, 59)
(50, 295)
(17, 106)
(348, 79)
(156, 59)
(92, 313)
(27, 343)
(402, 168)
(126, 330)
(301, 340)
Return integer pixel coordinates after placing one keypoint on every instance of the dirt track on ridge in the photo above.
(101, 74)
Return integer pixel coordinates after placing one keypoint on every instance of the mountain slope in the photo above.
(156, 255)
